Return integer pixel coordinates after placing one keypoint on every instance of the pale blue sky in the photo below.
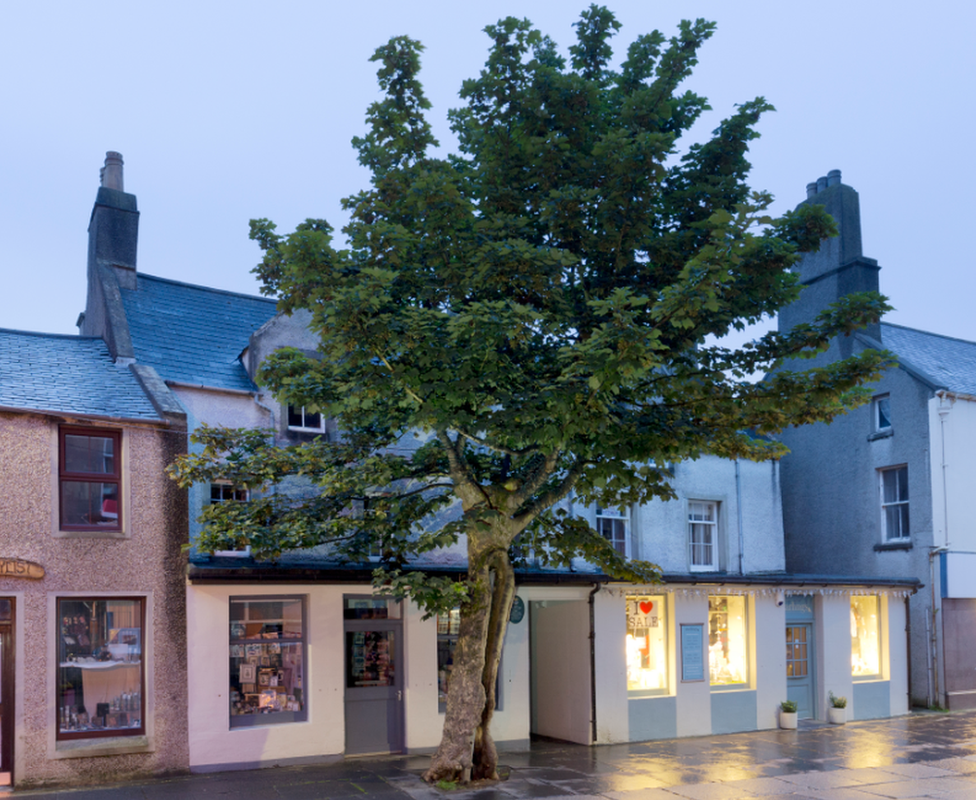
(226, 111)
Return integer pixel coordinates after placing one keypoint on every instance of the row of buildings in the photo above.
(846, 567)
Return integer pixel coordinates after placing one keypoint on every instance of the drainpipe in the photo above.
(908, 649)
(738, 507)
(590, 599)
(945, 406)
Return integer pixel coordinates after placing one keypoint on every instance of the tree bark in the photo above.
(466, 750)
(485, 756)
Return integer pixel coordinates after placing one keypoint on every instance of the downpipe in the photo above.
(590, 601)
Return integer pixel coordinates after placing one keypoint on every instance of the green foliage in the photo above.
(835, 701)
(789, 706)
(544, 303)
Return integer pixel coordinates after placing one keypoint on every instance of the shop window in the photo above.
(881, 406)
(100, 669)
(702, 536)
(267, 660)
(301, 419)
(611, 524)
(647, 645)
(865, 636)
(727, 640)
(90, 477)
(894, 504)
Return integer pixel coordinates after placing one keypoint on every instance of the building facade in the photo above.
(92, 618)
(880, 491)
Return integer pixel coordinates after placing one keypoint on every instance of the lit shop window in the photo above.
(647, 644)
(727, 642)
(865, 636)
(267, 660)
(100, 670)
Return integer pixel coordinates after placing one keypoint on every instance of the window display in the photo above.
(267, 660)
(865, 637)
(100, 670)
(727, 641)
(647, 645)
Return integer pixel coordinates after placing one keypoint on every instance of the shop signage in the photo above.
(692, 652)
(18, 568)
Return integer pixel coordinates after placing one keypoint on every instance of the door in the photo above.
(6, 691)
(373, 650)
(799, 668)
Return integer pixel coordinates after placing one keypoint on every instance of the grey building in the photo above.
(876, 492)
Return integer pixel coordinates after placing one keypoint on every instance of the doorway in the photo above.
(373, 652)
(799, 668)
(6, 690)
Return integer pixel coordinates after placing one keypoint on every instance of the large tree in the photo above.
(546, 307)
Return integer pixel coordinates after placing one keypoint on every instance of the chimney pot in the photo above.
(111, 173)
(811, 189)
(833, 177)
(821, 184)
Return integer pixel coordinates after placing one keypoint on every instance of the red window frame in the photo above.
(115, 477)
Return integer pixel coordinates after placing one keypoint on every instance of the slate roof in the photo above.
(68, 374)
(950, 363)
(193, 334)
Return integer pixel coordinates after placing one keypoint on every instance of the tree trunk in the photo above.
(466, 750)
(485, 757)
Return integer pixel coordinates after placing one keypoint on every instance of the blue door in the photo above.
(799, 668)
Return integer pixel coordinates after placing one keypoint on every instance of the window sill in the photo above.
(880, 548)
(730, 687)
(881, 435)
(112, 746)
(94, 534)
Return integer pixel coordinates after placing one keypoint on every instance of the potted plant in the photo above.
(837, 713)
(787, 715)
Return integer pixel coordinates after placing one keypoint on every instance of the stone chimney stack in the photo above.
(113, 236)
(839, 267)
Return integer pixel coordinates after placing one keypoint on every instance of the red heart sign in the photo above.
(645, 607)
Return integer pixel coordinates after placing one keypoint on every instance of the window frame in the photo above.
(715, 564)
(303, 428)
(877, 403)
(63, 736)
(286, 717)
(634, 613)
(113, 478)
(899, 502)
(615, 515)
(746, 644)
(879, 637)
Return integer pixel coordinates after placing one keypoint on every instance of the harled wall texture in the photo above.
(148, 562)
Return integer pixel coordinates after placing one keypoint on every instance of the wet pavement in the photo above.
(922, 755)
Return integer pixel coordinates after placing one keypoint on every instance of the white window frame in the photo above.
(615, 515)
(898, 502)
(712, 565)
(881, 404)
(243, 552)
(303, 428)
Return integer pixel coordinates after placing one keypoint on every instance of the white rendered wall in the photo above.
(769, 658)
(694, 698)
(832, 615)
(213, 743)
(953, 463)
(895, 654)
(610, 624)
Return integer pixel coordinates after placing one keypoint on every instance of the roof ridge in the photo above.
(929, 333)
(143, 276)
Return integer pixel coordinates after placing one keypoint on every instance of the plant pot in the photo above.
(837, 716)
(787, 720)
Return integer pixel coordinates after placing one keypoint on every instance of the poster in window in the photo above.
(692, 652)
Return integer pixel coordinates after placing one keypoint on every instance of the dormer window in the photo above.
(301, 419)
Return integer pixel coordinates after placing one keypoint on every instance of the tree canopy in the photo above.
(546, 306)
